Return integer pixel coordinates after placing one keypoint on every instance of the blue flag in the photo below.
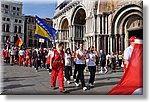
(44, 30)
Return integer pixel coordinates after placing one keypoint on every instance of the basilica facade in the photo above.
(105, 24)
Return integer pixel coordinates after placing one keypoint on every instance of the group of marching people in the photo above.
(57, 60)
(30, 57)
(62, 60)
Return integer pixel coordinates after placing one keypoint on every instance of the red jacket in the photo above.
(48, 60)
(58, 59)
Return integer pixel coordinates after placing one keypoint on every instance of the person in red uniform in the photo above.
(128, 52)
(7, 56)
(21, 57)
(28, 58)
(57, 65)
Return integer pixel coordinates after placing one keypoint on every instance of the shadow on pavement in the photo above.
(16, 86)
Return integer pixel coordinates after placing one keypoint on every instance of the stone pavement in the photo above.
(25, 80)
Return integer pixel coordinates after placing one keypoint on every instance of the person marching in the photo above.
(48, 59)
(7, 56)
(80, 65)
(68, 68)
(120, 58)
(12, 55)
(128, 52)
(102, 61)
(57, 65)
(21, 57)
(38, 60)
(34, 54)
(28, 58)
(108, 60)
(92, 66)
(113, 62)
(75, 69)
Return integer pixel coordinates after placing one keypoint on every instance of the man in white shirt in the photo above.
(12, 52)
(92, 66)
(21, 52)
(80, 65)
(21, 56)
(128, 52)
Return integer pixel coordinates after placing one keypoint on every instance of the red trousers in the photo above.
(21, 60)
(125, 68)
(58, 72)
(28, 62)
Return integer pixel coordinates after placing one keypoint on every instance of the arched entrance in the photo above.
(78, 26)
(126, 22)
(64, 32)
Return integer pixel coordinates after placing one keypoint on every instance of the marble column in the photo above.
(106, 25)
(116, 38)
(73, 36)
(91, 41)
(105, 44)
(98, 24)
(70, 36)
(110, 43)
(119, 41)
(97, 42)
(122, 42)
(102, 24)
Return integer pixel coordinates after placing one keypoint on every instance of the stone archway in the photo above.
(78, 26)
(64, 32)
(126, 22)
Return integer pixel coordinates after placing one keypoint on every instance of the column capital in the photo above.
(117, 35)
(111, 36)
(122, 35)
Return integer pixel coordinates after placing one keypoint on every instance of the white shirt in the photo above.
(12, 52)
(52, 54)
(81, 53)
(67, 59)
(128, 52)
(21, 52)
(108, 57)
(92, 58)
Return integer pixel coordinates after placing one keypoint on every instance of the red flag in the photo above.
(18, 40)
(133, 78)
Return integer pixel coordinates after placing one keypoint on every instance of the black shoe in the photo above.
(64, 91)
(54, 88)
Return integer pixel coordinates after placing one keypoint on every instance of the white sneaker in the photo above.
(68, 82)
(85, 71)
(106, 70)
(91, 85)
(84, 88)
(101, 72)
(71, 77)
(77, 85)
(74, 80)
(65, 79)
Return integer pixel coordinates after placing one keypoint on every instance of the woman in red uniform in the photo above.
(28, 58)
(21, 57)
(57, 65)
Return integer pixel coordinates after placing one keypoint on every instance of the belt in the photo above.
(57, 61)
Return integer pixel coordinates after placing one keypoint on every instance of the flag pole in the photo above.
(54, 43)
